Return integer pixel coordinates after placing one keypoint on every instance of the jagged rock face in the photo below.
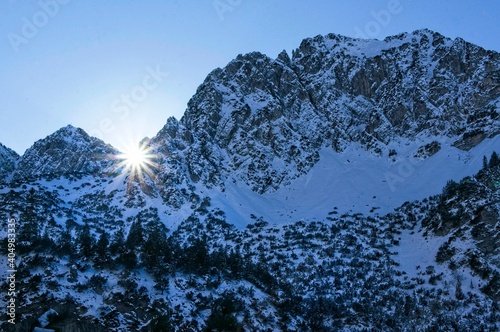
(263, 121)
(68, 150)
(413, 82)
(8, 159)
(171, 169)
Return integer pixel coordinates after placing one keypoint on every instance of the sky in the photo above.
(120, 69)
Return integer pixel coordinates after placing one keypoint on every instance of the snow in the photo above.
(44, 319)
(413, 251)
(416, 253)
(374, 47)
(356, 181)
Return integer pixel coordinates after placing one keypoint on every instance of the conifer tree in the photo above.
(494, 160)
(66, 245)
(102, 248)
(30, 230)
(135, 236)
(118, 243)
(101, 258)
(86, 242)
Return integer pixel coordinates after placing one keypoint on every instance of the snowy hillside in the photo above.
(354, 181)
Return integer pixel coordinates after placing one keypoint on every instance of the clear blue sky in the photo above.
(119, 69)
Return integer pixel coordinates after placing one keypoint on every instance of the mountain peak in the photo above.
(68, 150)
(425, 32)
(69, 130)
(71, 133)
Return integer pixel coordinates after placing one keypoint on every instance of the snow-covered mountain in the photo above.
(268, 125)
(8, 159)
(68, 150)
(302, 193)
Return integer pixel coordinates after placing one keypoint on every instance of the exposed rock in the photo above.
(68, 150)
(262, 121)
(8, 160)
(470, 140)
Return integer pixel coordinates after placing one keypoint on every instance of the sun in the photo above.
(137, 159)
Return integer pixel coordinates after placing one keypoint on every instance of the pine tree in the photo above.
(45, 243)
(222, 317)
(30, 230)
(450, 188)
(102, 258)
(154, 250)
(459, 294)
(117, 246)
(128, 259)
(156, 254)
(161, 324)
(66, 245)
(86, 242)
(135, 236)
(102, 248)
(196, 257)
(485, 163)
(494, 160)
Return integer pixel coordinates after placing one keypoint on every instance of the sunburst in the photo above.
(137, 160)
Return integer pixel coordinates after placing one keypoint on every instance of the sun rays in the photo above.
(137, 160)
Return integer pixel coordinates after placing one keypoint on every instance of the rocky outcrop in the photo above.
(262, 121)
(8, 159)
(68, 151)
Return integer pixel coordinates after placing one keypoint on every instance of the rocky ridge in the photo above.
(68, 150)
(262, 121)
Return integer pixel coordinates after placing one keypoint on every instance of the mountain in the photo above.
(8, 159)
(68, 150)
(353, 185)
(262, 123)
